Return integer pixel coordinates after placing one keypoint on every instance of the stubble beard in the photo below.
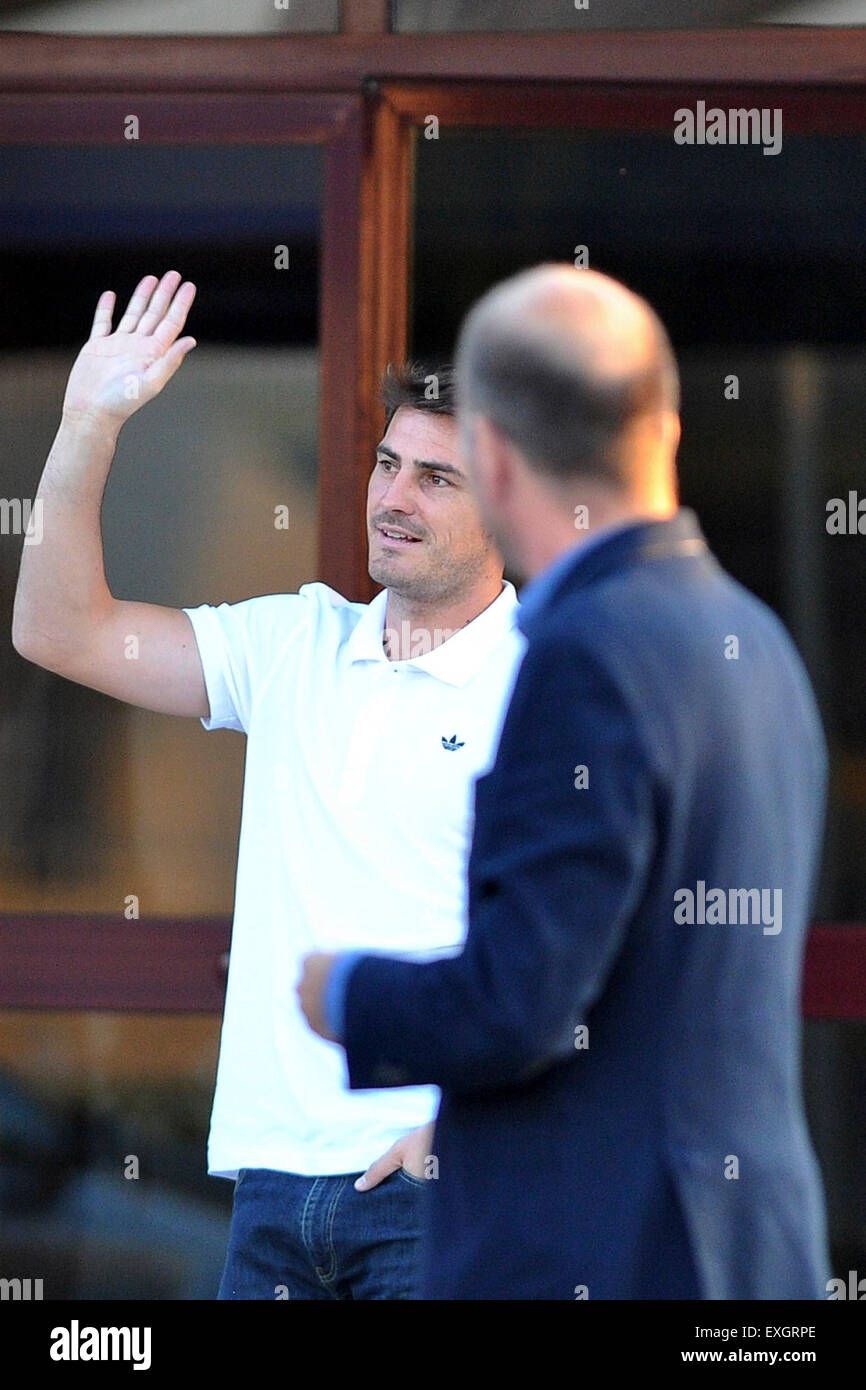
(439, 584)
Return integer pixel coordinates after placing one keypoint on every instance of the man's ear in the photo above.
(673, 429)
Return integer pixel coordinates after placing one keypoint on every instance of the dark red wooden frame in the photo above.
(766, 55)
(606, 105)
(171, 965)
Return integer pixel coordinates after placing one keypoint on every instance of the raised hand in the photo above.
(115, 373)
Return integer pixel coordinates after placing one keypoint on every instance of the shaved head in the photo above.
(563, 362)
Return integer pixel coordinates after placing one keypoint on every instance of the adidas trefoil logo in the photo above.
(451, 743)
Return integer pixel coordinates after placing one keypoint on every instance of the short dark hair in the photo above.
(566, 420)
(420, 387)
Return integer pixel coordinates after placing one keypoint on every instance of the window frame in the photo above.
(363, 96)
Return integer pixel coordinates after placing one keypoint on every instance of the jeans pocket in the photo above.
(411, 1179)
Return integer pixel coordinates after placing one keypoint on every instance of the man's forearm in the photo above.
(61, 582)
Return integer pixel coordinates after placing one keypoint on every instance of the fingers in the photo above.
(378, 1171)
(165, 366)
(158, 303)
(173, 320)
(157, 307)
(137, 304)
(102, 318)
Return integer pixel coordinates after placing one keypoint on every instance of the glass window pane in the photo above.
(173, 17)
(755, 265)
(99, 799)
(449, 16)
(750, 261)
(834, 1057)
(845, 13)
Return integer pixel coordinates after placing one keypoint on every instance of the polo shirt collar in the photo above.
(458, 658)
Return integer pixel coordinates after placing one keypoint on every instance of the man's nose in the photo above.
(399, 493)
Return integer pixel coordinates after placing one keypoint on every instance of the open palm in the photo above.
(117, 372)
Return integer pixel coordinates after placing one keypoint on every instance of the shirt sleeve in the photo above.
(240, 645)
(335, 992)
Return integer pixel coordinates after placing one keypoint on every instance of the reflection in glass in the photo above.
(103, 1123)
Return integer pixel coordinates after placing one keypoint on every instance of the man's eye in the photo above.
(387, 463)
(440, 478)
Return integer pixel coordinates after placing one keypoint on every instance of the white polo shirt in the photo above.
(355, 834)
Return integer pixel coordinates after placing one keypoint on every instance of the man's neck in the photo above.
(545, 543)
(412, 628)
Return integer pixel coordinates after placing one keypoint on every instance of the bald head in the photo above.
(565, 362)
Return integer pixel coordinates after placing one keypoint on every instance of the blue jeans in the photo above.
(293, 1236)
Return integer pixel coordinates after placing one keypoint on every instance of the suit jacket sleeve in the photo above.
(555, 874)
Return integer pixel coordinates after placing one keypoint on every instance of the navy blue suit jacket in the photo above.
(621, 1111)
